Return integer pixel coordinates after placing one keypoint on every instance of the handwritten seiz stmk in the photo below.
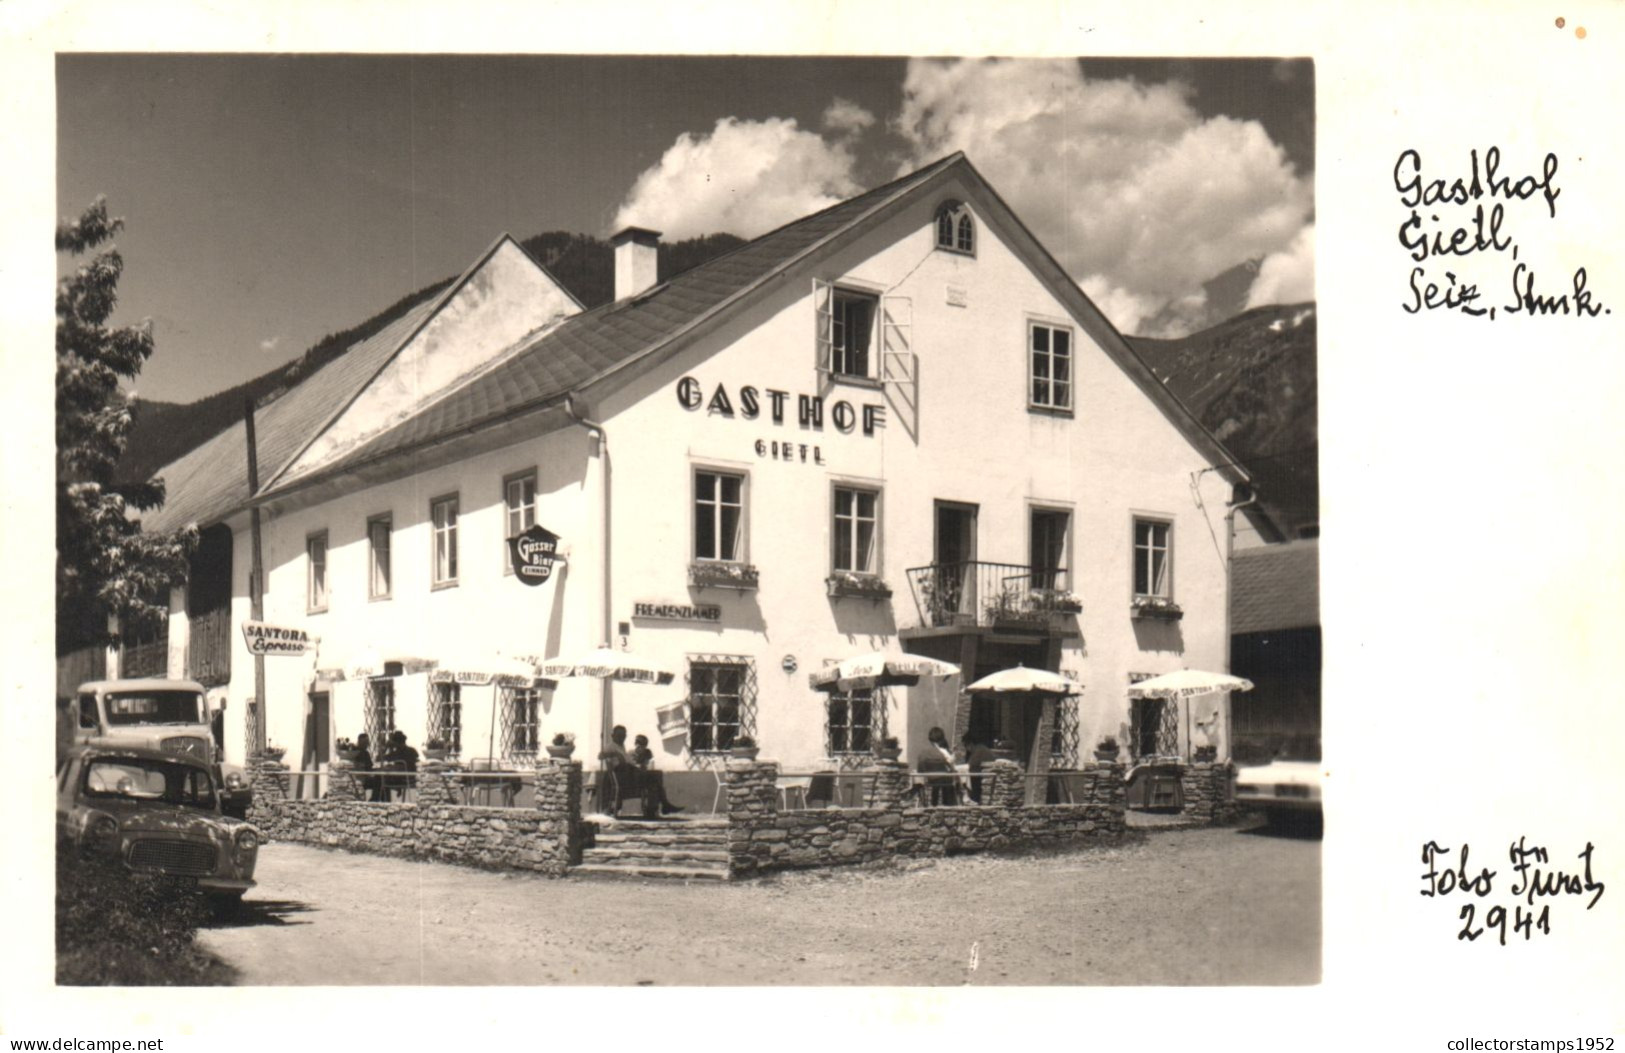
(1532, 879)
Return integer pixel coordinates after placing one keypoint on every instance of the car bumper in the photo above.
(1269, 800)
(223, 884)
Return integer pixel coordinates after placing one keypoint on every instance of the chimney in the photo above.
(636, 252)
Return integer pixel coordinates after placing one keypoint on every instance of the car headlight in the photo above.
(101, 834)
(247, 840)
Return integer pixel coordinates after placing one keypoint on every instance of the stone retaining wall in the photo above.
(546, 839)
(761, 838)
(1206, 790)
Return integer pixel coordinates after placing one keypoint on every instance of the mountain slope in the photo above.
(1252, 382)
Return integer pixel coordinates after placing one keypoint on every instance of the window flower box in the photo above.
(861, 586)
(716, 574)
(1157, 607)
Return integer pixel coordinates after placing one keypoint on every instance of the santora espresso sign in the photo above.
(533, 553)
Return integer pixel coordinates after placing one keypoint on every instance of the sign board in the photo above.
(677, 612)
(532, 553)
(265, 638)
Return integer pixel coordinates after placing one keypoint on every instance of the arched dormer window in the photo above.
(956, 229)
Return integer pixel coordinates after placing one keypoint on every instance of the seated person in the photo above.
(398, 756)
(938, 757)
(977, 756)
(654, 782)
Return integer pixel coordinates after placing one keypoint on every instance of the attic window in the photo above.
(956, 230)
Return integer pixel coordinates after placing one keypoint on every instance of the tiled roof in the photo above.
(1275, 587)
(211, 481)
(585, 346)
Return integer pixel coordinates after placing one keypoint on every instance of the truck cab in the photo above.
(168, 715)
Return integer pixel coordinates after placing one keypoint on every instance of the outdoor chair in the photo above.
(794, 788)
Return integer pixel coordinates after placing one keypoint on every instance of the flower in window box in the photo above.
(720, 575)
(1157, 607)
(1055, 601)
(1106, 750)
(851, 583)
(889, 748)
(436, 749)
(744, 747)
(563, 744)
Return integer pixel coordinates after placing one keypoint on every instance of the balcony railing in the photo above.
(999, 595)
(208, 647)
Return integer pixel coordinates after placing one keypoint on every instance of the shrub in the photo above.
(115, 927)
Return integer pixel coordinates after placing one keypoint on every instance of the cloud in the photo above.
(743, 177)
(1137, 194)
(847, 117)
(269, 346)
(1287, 276)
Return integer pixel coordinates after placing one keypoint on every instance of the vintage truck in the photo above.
(168, 715)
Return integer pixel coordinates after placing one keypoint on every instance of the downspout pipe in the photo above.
(606, 711)
(1231, 508)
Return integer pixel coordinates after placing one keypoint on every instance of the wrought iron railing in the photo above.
(208, 647)
(146, 655)
(991, 594)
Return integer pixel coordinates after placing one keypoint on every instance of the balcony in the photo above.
(992, 595)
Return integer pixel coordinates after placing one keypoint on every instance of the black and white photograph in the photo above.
(698, 526)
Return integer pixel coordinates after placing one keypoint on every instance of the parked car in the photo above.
(157, 812)
(160, 714)
(1281, 788)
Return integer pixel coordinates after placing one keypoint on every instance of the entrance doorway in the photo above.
(318, 739)
(954, 585)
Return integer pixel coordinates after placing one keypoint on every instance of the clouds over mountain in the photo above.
(1141, 197)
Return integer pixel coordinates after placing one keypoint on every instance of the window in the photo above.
(378, 544)
(443, 512)
(88, 717)
(519, 498)
(1153, 558)
(1048, 549)
(852, 332)
(1051, 348)
(721, 702)
(521, 722)
(380, 711)
(446, 716)
(316, 585)
(719, 516)
(853, 722)
(856, 515)
(956, 231)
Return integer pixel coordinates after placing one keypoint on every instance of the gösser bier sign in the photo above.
(809, 414)
(532, 553)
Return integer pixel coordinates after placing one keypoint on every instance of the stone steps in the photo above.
(650, 871)
(694, 849)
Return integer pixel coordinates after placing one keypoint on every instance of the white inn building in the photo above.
(894, 425)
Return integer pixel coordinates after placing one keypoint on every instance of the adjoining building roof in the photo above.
(208, 483)
(1275, 587)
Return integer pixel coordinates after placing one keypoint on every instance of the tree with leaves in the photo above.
(105, 564)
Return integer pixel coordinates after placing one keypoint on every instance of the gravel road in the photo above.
(1194, 906)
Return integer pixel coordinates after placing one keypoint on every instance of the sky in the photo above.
(271, 200)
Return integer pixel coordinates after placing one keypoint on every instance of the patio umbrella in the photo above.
(1022, 680)
(478, 670)
(606, 663)
(371, 662)
(878, 669)
(1187, 682)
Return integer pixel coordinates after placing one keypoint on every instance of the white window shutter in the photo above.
(896, 325)
(824, 323)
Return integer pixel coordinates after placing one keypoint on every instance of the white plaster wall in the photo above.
(978, 443)
(487, 612)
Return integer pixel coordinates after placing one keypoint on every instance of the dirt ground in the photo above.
(1194, 906)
